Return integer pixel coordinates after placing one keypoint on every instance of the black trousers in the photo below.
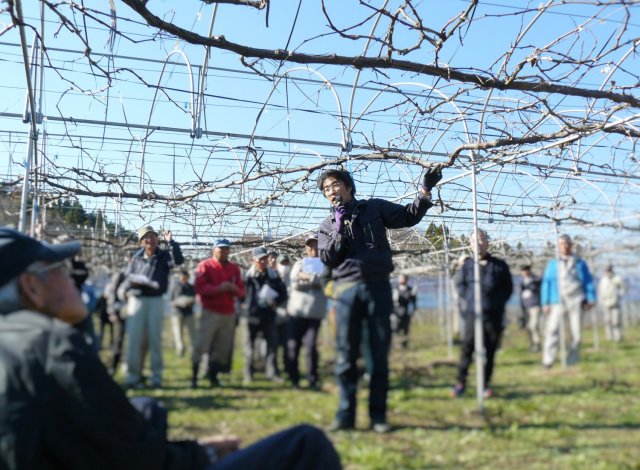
(302, 331)
(492, 335)
(299, 448)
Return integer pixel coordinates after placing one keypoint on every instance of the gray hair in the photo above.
(10, 298)
(566, 238)
(481, 232)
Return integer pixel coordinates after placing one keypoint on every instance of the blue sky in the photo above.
(300, 126)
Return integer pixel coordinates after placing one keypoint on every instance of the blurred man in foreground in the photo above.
(59, 408)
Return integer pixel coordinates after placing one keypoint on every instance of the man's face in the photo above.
(483, 244)
(564, 247)
(333, 187)
(221, 253)
(272, 260)
(58, 296)
(403, 279)
(311, 248)
(260, 263)
(149, 242)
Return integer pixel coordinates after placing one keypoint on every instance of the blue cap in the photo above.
(18, 251)
(222, 243)
(259, 252)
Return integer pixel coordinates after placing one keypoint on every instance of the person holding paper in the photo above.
(147, 280)
(264, 291)
(306, 309)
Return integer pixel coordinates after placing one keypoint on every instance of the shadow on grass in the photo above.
(426, 376)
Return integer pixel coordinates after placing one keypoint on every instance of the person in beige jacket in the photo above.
(306, 309)
(610, 291)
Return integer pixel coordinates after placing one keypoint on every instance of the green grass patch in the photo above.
(586, 416)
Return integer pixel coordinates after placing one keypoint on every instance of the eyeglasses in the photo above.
(63, 265)
(331, 187)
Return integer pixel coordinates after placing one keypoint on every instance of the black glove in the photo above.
(431, 178)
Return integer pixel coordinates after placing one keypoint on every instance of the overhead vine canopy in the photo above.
(214, 118)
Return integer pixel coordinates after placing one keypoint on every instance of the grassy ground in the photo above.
(586, 416)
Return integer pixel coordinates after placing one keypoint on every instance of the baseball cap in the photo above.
(18, 251)
(222, 243)
(144, 230)
(259, 252)
(311, 237)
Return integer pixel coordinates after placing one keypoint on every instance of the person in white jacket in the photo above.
(306, 309)
(610, 291)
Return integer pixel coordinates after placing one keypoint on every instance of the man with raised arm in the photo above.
(353, 243)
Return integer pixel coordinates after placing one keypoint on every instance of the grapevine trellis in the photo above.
(215, 118)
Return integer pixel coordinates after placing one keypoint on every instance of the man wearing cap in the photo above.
(567, 289)
(353, 243)
(218, 284)
(306, 308)
(264, 292)
(59, 408)
(147, 279)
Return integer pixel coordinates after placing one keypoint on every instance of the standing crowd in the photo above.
(55, 389)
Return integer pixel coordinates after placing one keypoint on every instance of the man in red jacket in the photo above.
(218, 284)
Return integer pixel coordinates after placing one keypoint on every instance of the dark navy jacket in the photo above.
(60, 409)
(361, 252)
(157, 267)
(496, 288)
(530, 292)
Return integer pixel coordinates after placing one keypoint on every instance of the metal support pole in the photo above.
(477, 296)
(447, 276)
(24, 199)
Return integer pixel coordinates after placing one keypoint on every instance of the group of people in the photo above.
(54, 385)
(60, 408)
(566, 290)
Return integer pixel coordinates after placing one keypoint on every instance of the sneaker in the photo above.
(457, 391)
(381, 428)
(488, 393)
(277, 379)
(340, 426)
